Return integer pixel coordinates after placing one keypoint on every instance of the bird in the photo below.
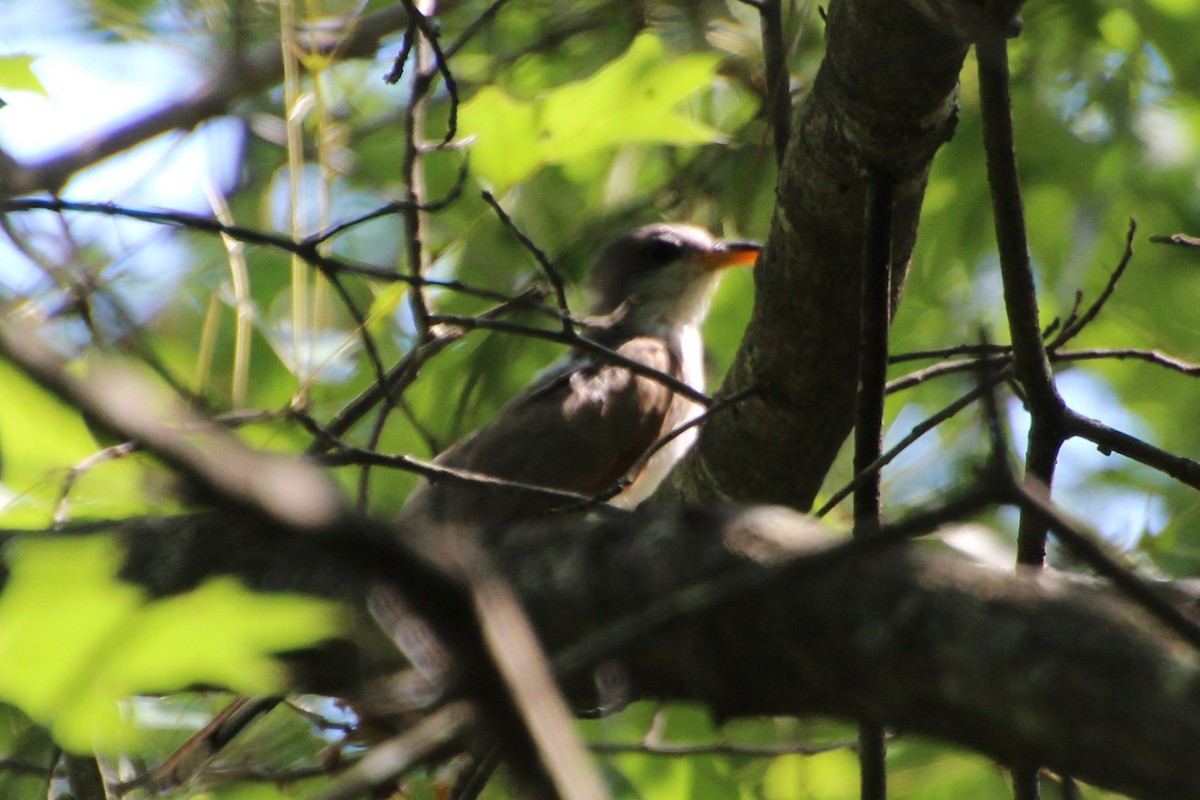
(585, 422)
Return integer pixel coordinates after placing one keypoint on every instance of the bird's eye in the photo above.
(659, 253)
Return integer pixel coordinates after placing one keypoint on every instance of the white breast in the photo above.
(691, 350)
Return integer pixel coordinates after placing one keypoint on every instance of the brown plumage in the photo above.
(585, 423)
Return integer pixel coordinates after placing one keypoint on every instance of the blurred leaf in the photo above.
(42, 437)
(75, 641)
(16, 74)
(829, 776)
(630, 100)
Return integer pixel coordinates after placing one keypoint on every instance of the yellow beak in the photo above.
(730, 253)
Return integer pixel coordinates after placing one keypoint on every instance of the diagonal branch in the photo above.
(255, 72)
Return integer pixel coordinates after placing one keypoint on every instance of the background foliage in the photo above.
(584, 119)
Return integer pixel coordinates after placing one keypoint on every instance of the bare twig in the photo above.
(1032, 498)
(474, 27)
(1077, 324)
(19, 767)
(441, 65)
(360, 326)
(220, 466)
(583, 343)
(718, 749)
(718, 405)
(340, 453)
(254, 72)
(202, 747)
(1178, 239)
(1031, 362)
(81, 468)
(306, 248)
(876, 314)
(552, 273)
(919, 430)
(964, 350)
(405, 371)
(397, 206)
(388, 760)
(1154, 357)
(1109, 440)
(778, 95)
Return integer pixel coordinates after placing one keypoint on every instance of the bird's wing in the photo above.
(578, 430)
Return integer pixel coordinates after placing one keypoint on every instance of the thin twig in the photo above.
(1154, 357)
(954, 367)
(19, 767)
(255, 71)
(386, 761)
(306, 249)
(552, 273)
(778, 98)
(1031, 362)
(396, 206)
(1077, 324)
(441, 66)
(1110, 440)
(918, 430)
(405, 370)
(875, 311)
(1032, 498)
(581, 342)
(1177, 239)
(360, 326)
(477, 23)
(340, 453)
(81, 468)
(190, 758)
(965, 350)
(718, 749)
(718, 405)
(875, 317)
(412, 173)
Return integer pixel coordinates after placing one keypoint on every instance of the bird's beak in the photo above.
(730, 253)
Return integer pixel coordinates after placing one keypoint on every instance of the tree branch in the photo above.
(256, 71)
(1025, 668)
(885, 96)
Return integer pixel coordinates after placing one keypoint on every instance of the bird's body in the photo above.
(586, 422)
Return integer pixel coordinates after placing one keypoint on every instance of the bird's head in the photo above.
(664, 274)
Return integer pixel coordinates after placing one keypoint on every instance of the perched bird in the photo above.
(585, 422)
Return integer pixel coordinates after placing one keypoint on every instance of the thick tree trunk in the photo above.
(759, 611)
(884, 99)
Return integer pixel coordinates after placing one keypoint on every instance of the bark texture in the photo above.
(884, 99)
(769, 614)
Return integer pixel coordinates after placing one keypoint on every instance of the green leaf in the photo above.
(383, 306)
(42, 438)
(631, 100)
(829, 775)
(16, 74)
(75, 640)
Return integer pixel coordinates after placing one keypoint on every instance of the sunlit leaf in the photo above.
(43, 437)
(75, 640)
(16, 73)
(633, 99)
